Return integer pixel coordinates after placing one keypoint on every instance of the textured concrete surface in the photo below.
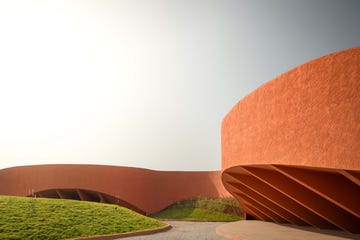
(146, 190)
(291, 148)
(307, 116)
(258, 230)
(184, 230)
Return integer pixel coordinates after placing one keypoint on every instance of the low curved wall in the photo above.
(146, 190)
(291, 149)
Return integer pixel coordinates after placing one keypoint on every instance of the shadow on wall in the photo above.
(84, 195)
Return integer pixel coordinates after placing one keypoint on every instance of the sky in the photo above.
(146, 83)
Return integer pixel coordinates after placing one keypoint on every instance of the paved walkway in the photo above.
(243, 230)
(184, 230)
(258, 230)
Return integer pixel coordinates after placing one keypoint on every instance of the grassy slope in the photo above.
(204, 209)
(30, 218)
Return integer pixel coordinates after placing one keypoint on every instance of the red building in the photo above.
(291, 149)
(145, 191)
(290, 154)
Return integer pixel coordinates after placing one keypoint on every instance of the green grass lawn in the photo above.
(203, 209)
(40, 218)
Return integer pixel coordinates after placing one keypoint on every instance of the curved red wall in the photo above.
(304, 124)
(147, 190)
(307, 116)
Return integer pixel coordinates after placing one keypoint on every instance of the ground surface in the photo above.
(244, 230)
(184, 230)
(259, 230)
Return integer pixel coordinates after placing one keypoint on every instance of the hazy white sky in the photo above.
(146, 83)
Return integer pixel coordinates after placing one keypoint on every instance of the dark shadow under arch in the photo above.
(85, 195)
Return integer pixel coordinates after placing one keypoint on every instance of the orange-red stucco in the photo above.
(307, 116)
(291, 149)
(145, 190)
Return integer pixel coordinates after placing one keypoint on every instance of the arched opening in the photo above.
(85, 195)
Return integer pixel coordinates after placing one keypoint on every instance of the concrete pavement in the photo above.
(259, 230)
(244, 230)
(184, 230)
